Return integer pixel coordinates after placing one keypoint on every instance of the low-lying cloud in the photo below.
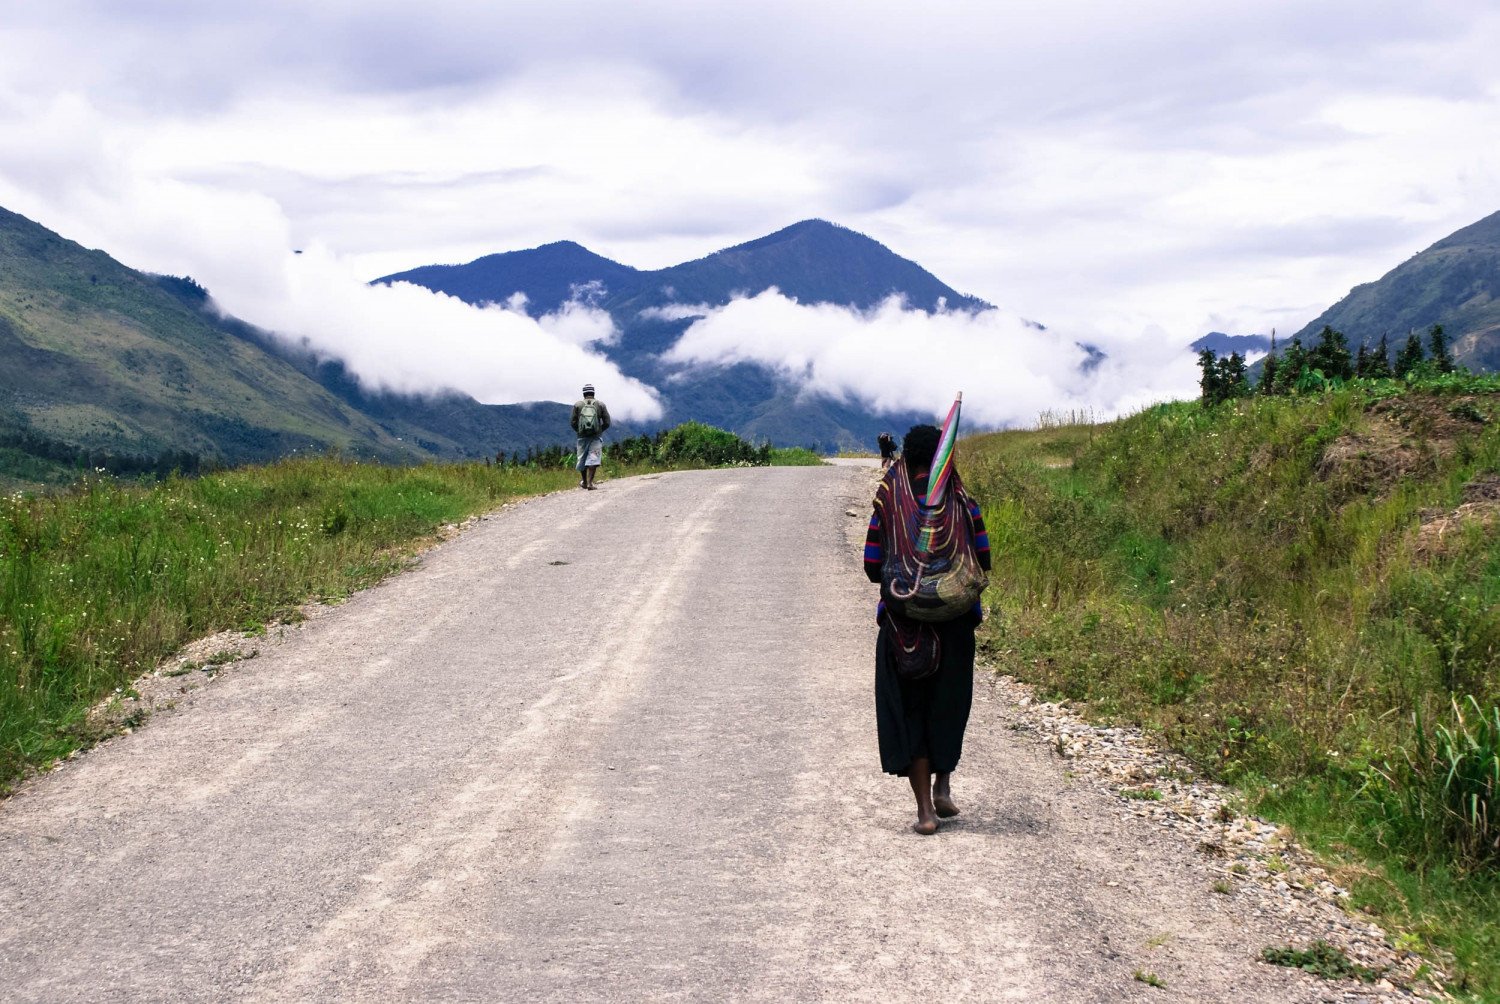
(1168, 161)
(410, 340)
(894, 359)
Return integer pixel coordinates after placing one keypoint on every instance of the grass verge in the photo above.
(1297, 593)
(101, 582)
(794, 456)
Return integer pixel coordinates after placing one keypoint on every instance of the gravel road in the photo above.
(615, 745)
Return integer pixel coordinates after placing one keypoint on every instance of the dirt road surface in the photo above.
(603, 746)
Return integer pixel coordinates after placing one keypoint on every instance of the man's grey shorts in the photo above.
(589, 452)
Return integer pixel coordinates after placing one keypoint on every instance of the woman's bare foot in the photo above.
(920, 776)
(942, 795)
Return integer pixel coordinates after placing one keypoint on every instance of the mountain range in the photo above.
(812, 262)
(105, 365)
(102, 364)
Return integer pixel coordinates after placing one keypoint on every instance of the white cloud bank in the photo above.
(895, 359)
(1232, 166)
(410, 340)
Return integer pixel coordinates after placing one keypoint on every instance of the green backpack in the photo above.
(588, 420)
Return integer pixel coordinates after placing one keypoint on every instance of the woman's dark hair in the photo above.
(920, 444)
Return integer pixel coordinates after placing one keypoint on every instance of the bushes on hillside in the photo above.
(44, 447)
(689, 444)
(1328, 364)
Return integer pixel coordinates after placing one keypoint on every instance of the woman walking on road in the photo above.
(921, 721)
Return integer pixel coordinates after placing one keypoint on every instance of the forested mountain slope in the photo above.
(1455, 283)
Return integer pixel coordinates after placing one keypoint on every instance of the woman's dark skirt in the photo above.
(927, 717)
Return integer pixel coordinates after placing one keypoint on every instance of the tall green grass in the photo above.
(1441, 794)
(100, 583)
(1251, 581)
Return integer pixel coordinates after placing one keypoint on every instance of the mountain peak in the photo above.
(816, 231)
(549, 275)
(815, 225)
(570, 248)
(816, 261)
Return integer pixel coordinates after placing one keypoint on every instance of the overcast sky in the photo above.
(1128, 172)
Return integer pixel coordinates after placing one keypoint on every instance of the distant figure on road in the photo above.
(887, 449)
(921, 721)
(590, 419)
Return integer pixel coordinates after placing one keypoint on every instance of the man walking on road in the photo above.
(590, 419)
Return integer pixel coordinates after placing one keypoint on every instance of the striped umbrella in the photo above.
(942, 460)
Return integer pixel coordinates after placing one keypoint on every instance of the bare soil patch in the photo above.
(1402, 437)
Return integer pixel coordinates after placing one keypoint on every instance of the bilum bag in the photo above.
(931, 571)
(915, 648)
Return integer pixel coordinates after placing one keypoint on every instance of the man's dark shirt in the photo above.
(603, 415)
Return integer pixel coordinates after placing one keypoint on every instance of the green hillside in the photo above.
(98, 356)
(1455, 283)
(1294, 592)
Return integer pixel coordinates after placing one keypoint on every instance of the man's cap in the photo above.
(588, 388)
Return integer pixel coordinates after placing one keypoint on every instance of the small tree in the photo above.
(1362, 362)
(1409, 356)
(1268, 369)
(1331, 355)
(1438, 347)
(1223, 379)
(1293, 365)
(1208, 383)
(1379, 364)
(1233, 377)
